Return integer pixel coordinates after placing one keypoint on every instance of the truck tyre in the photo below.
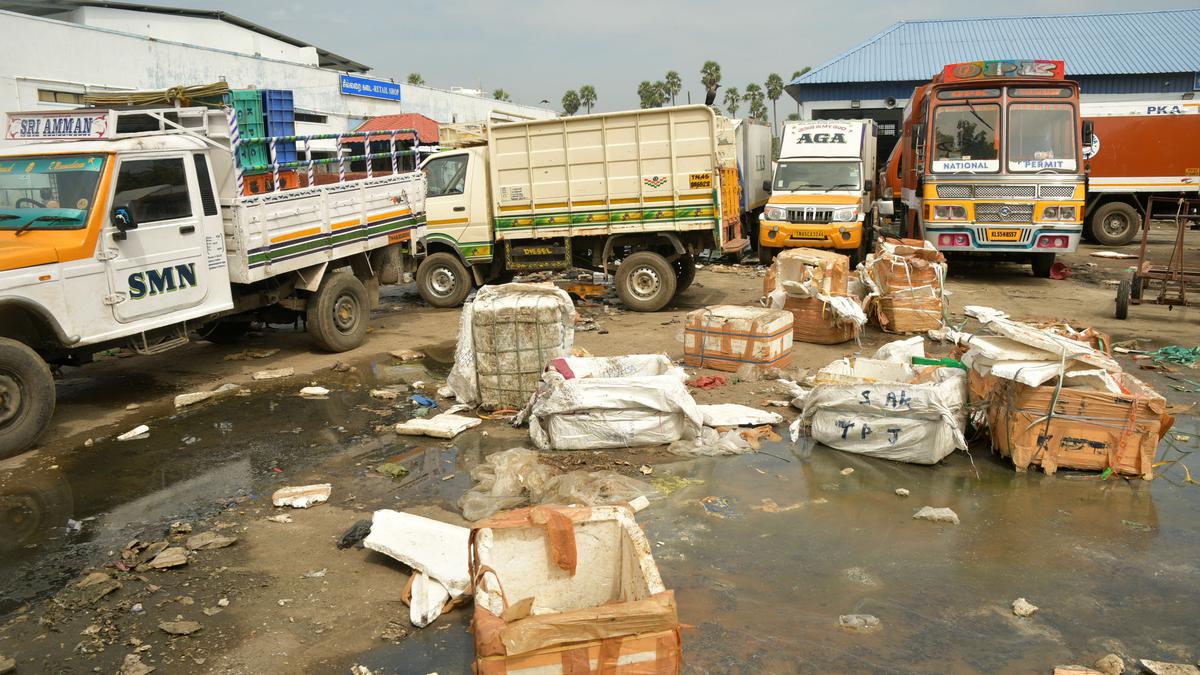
(766, 254)
(443, 280)
(1041, 263)
(646, 282)
(26, 397)
(1122, 299)
(338, 313)
(225, 332)
(685, 272)
(1135, 286)
(1115, 224)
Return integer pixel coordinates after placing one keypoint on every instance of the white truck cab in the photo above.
(130, 228)
(822, 193)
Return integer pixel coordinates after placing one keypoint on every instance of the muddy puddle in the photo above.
(765, 555)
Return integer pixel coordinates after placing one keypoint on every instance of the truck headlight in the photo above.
(1061, 213)
(949, 212)
(774, 213)
(845, 215)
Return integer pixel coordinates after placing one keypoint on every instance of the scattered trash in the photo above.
(195, 397)
(646, 469)
(74, 526)
(1183, 356)
(406, 354)
(133, 406)
(669, 484)
(902, 492)
(181, 527)
(902, 351)
(847, 471)
(859, 622)
(131, 665)
(1075, 670)
(315, 574)
(1059, 271)
(707, 382)
(937, 515)
(393, 469)
(138, 432)
(273, 374)
(209, 540)
(1021, 607)
(314, 392)
(173, 556)
(355, 535)
(342, 367)
(611, 402)
(555, 584)
(302, 497)
(735, 415)
(423, 401)
(506, 337)
(1112, 254)
(281, 518)
(437, 553)
(1164, 668)
(179, 627)
(727, 337)
(385, 394)
(721, 507)
(770, 506)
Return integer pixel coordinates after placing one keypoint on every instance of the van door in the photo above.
(447, 202)
(157, 267)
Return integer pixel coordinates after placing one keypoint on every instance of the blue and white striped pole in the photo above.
(395, 161)
(235, 143)
(341, 162)
(274, 163)
(311, 167)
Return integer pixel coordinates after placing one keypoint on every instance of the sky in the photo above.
(538, 49)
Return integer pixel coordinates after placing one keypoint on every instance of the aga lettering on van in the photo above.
(822, 138)
(153, 282)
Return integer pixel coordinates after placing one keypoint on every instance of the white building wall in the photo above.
(104, 60)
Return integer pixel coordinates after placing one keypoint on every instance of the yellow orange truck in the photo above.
(822, 193)
(645, 191)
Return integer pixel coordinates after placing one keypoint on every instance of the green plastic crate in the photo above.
(247, 103)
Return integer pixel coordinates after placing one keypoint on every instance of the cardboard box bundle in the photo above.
(908, 276)
(796, 282)
(727, 337)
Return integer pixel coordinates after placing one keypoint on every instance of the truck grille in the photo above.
(1058, 191)
(959, 191)
(954, 191)
(1006, 191)
(810, 215)
(1004, 213)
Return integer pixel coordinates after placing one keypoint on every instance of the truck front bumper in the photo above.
(776, 234)
(989, 238)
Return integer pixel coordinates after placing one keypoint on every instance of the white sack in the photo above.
(438, 549)
(902, 351)
(736, 415)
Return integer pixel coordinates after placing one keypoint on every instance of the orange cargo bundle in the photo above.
(907, 277)
(822, 273)
(570, 590)
(727, 337)
(1087, 428)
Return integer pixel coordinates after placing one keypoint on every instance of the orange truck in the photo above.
(990, 163)
(1138, 150)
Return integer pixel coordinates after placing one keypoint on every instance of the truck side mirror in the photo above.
(122, 219)
(1088, 132)
(868, 185)
(766, 186)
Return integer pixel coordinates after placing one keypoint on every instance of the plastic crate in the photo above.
(247, 103)
(279, 113)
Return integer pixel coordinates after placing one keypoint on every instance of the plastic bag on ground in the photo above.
(736, 415)
(712, 443)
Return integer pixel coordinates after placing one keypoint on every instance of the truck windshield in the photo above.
(1041, 137)
(822, 176)
(49, 192)
(965, 138)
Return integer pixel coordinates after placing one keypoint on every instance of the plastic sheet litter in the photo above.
(517, 477)
(736, 415)
(506, 337)
(714, 443)
(1175, 354)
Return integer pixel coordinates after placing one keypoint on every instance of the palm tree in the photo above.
(797, 74)
(674, 84)
(570, 102)
(587, 96)
(710, 77)
(501, 95)
(732, 100)
(415, 78)
(755, 97)
(774, 91)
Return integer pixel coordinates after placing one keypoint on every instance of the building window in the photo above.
(51, 96)
(887, 128)
(311, 117)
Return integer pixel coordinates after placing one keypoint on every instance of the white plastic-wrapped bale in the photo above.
(506, 338)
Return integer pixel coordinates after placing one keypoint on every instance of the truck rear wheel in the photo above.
(685, 272)
(1115, 224)
(26, 397)
(338, 313)
(443, 280)
(646, 282)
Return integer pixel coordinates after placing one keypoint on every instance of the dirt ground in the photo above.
(284, 598)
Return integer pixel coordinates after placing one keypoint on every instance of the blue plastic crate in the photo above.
(279, 112)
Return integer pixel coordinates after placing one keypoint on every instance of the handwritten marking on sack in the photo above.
(865, 430)
(893, 400)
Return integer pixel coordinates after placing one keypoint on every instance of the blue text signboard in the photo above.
(365, 86)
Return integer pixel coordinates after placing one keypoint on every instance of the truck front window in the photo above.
(965, 138)
(817, 176)
(1041, 137)
(48, 192)
(445, 176)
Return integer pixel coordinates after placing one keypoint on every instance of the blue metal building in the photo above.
(1113, 56)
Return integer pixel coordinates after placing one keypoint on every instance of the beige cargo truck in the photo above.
(643, 192)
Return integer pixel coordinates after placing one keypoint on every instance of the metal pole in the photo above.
(367, 152)
(395, 160)
(274, 164)
(235, 142)
(312, 178)
(341, 162)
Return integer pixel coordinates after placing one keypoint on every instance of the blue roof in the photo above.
(1119, 43)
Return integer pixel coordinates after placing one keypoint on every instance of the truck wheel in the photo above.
(338, 313)
(224, 332)
(685, 272)
(766, 254)
(1122, 299)
(1115, 224)
(443, 281)
(26, 397)
(1041, 263)
(645, 282)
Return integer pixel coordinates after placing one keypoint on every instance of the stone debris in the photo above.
(131, 666)
(192, 398)
(1164, 668)
(93, 587)
(170, 557)
(1075, 670)
(314, 392)
(179, 627)
(1110, 664)
(858, 621)
(937, 515)
(303, 496)
(281, 518)
(223, 602)
(7, 665)
(181, 527)
(385, 394)
(902, 492)
(316, 574)
(406, 354)
(847, 471)
(209, 540)
(273, 374)
(1023, 608)
(140, 431)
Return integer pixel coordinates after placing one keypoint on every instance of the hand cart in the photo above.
(1173, 279)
